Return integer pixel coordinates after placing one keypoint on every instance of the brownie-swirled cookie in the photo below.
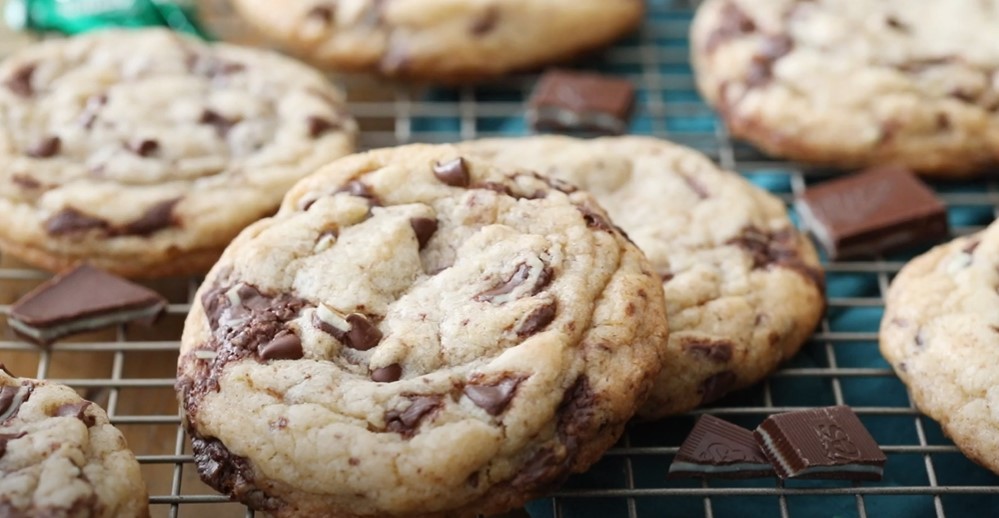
(853, 84)
(441, 40)
(145, 153)
(60, 457)
(744, 288)
(417, 333)
(940, 332)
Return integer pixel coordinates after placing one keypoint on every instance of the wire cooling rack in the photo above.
(130, 370)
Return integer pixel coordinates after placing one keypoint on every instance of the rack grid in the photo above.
(129, 370)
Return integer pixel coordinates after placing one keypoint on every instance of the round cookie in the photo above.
(145, 153)
(417, 334)
(852, 84)
(940, 332)
(441, 40)
(744, 288)
(59, 455)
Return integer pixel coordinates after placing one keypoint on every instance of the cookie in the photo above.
(417, 333)
(940, 333)
(145, 153)
(441, 40)
(853, 84)
(59, 455)
(744, 288)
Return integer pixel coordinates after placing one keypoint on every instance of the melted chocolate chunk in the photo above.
(733, 23)
(156, 218)
(77, 410)
(7, 394)
(771, 49)
(318, 126)
(144, 147)
(360, 334)
(361, 190)
(537, 320)
(594, 219)
(406, 422)
(70, 220)
(718, 351)
(387, 374)
(323, 13)
(11, 399)
(25, 181)
(45, 148)
(493, 398)
(486, 22)
(453, 172)
(517, 278)
(244, 320)
(716, 386)
(4, 438)
(896, 24)
(776, 249)
(221, 123)
(20, 81)
(285, 346)
(229, 474)
(424, 228)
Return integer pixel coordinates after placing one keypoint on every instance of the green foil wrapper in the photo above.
(77, 16)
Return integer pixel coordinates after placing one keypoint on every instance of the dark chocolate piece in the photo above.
(284, 346)
(11, 399)
(77, 410)
(353, 330)
(829, 443)
(144, 147)
(453, 172)
(593, 219)
(359, 189)
(157, 217)
(81, 299)
(565, 100)
(878, 210)
(70, 220)
(424, 229)
(319, 126)
(537, 320)
(493, 398)
(407, 421)
(20, 81)
(387, 374)
(221, 123)
(45, 148)
(718, 448)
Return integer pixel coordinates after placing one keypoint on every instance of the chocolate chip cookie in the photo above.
(417, 332)
(743, 287)
(856, 83)
(441, 40)
(145, 153)
(940, 332)
(59, 455)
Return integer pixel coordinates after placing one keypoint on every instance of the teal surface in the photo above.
(669, 106)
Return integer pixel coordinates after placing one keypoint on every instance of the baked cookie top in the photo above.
(940, 333)
(856, 83)
(441, 40)
(743, 287)
(59, 455)
(417, 333)
(143, 151)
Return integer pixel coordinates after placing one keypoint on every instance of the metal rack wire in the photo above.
(130, 370)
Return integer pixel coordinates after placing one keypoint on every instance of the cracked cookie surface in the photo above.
(744, 288)
(60, 457)
(145, 153)
(417, 332)
(940, 333)
(441, 40)
(852, 84)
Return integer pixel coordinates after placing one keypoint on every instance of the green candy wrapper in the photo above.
(77, 16)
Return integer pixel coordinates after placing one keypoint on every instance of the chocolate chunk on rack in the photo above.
(878, 210)
(720, 449)
(564, 100)
(82, 299)
(829, 443)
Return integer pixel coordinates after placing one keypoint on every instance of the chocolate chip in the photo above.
(20, 81)
(666, 276)
(424, 229)
(405, 422)
(486, 22)
(221, 123)
(361, 190)
(77, 410)
(354, 330)
(322, 13)
(45, 148)
(943, 121)
(594, 219)
(387, 374)
(7, 394)
(518, 277)
(733, 22)
(896, 24)
(776, 249)
(319, 125)
(718, 351)
(453, 172)
(144, 147)
(716, 386)
(537, 320)
(326, 239)
(284, 346)
(156, 218)
(493, 398)
(230, 474)
(25, 181)
(70, 220)
(5, 437)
